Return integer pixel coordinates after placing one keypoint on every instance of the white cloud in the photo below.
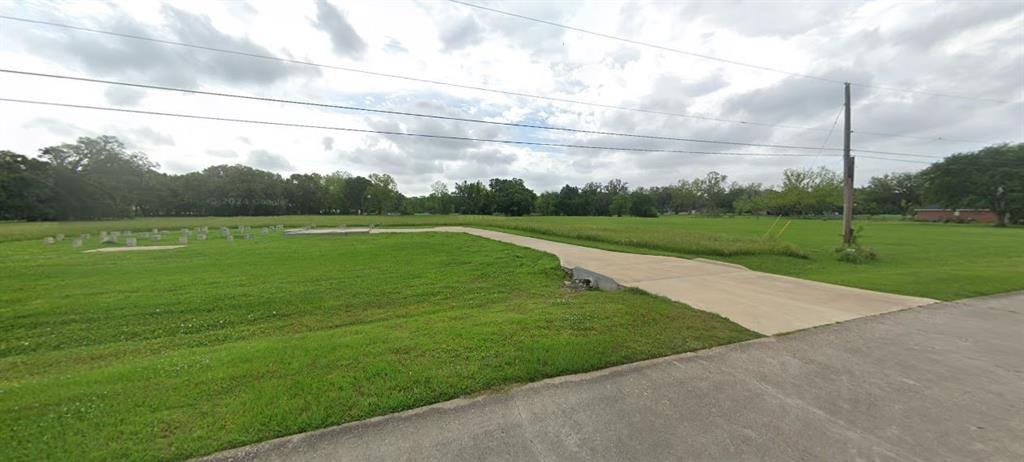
(949, 47)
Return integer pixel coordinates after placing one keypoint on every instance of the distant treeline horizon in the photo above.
(97, 178)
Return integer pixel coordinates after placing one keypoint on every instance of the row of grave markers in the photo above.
(131, 239)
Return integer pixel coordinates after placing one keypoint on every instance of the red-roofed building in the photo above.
(958, 215)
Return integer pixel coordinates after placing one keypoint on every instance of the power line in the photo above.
(722, 60)
(386, 132)
(402, 113)
(925, 138)
(409, 78)
(834, 123)
(441, 117)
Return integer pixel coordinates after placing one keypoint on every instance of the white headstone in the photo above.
(201, 236)
(229, 238)
(59, 237)
(76, 243)
(155, 230)
(264, 231)
(183, 240)
(156, 236)
(48, 240)
(130, 241)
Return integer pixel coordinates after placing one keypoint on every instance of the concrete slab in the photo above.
(134, 249)
(325, 231)
(941, 382)
(765, 303)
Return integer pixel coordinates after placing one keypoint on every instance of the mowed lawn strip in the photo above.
(172, 354)
(941, 261)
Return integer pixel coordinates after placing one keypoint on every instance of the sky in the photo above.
(973, 49)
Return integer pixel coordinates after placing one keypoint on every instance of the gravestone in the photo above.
(183, 240)
(201, 236)
(157, 236)
(264, 231)
(155, 230)
(206, 229)
(48, 240)
(229, 238)
(130, 241)
(115, 235)
(59, 237)
(76, 243)
(85, 236)
(103, 235)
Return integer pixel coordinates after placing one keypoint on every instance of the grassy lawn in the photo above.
(171, 354)
(942, 261)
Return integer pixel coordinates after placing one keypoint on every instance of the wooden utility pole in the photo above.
(847, 175)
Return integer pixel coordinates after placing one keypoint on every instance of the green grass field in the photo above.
(172, 354)
(941, 261)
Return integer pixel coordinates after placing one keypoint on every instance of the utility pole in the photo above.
(847, 175)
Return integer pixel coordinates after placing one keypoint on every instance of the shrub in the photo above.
(856, 254)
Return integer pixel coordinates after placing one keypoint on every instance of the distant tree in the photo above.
(440, 200)
(641, 204)
(383, 193)
(620, 205)
(306, 194)
(616, 187)
(545, 203)
(26, 188)
(685, 196)
(511, 196)
(991, 178)
(893, 193)
(97, 177)
(334, 185)
(472, 198)
(568, 201)
(356, 195)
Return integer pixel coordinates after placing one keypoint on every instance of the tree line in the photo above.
(97, 178)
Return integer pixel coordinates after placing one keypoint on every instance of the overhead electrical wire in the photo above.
(409, 78)
(723, 60)
(434, 116)
(387, 132)
(449, 84)
(830, 130)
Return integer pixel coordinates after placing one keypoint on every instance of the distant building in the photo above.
(958, 215)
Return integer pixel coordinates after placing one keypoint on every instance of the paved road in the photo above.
(762, 302)
(941, 382)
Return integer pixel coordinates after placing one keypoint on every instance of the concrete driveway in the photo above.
(762, 302)
(942, 382)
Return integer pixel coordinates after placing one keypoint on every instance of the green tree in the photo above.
(991, 178)
(620, 205)
(641, 204)
(472, 198)
(26, 188)
(511, 196)
(383, 193)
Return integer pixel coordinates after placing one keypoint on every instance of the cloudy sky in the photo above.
(962, 48)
